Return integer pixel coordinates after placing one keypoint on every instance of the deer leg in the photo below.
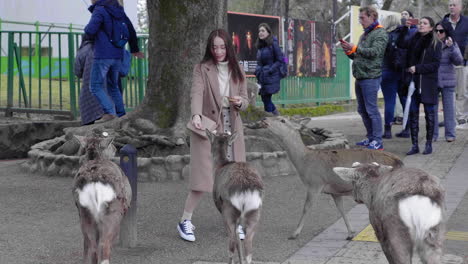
(231, 216)
(397, 246)
(312, 194)
(109, 229)
(339, 205)
(430, 250)
(251, 221)
(90, 236)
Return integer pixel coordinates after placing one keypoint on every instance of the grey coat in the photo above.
(450, 56)
(90, 109)
(206, 100)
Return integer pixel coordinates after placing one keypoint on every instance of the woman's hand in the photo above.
(196, 122)
(235, 100)
(449, 42)
(412, 69)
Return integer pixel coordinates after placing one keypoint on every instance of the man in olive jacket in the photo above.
(367, 58)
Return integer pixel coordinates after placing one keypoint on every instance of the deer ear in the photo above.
(81, 139)
(345, 174)
(232, 137)
(384, 169)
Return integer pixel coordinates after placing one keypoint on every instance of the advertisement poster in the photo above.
(310, 51)
(243, 28)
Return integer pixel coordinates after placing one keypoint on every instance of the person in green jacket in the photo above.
(367, 58)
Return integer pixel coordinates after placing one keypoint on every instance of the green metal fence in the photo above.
(36, 76)
(36, 73)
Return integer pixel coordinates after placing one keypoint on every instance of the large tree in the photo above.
(178, 31)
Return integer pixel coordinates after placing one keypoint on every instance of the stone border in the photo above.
(172, 167)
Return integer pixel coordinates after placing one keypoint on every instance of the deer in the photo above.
(102, 194)
(315, 167)
(406, 209)
(237, 194)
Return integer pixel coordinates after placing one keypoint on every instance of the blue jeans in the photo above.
(389, 84)
(105, 72)
(448, 103)
(268, 103)
(366, 95)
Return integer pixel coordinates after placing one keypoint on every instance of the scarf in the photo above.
(374, 25)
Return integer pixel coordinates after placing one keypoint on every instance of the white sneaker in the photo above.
(186, 230)
(240, 230)
(462, 126)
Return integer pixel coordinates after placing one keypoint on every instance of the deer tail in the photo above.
(247, 200)
(94, 196)
(420, 214)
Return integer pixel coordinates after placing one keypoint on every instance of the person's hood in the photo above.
(112, 7)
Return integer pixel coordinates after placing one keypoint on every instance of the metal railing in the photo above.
(36, 76)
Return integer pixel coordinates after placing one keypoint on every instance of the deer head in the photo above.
(97, 146)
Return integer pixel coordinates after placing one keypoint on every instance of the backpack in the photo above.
(283, 68)
(120, 34)
(397, 55)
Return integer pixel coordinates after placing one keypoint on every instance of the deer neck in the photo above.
(295, 148)
(219, 158)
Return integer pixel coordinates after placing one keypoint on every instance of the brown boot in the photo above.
(106, 117)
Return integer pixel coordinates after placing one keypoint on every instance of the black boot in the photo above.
(414, 128)
(388, 132)
(430, 125)
(404, 133)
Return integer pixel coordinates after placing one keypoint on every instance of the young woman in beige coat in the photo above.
(219, 92)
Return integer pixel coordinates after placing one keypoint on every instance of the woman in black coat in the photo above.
(269, 59)
(423, 63)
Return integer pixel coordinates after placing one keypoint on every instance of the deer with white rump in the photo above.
(406, 209)
(237, 194)
(102, 194)
(315, 166)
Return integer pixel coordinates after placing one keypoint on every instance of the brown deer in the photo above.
(315, 167)
(237, 194)
(102, 195)
(406, 209)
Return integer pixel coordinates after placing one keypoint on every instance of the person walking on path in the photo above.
(447, 80)
(90, 109)
(407, 31)
(219, 92)
(424, 53)
(391, 73)
(269, 59)
(459, 23)
(367, 59)
(106, 15)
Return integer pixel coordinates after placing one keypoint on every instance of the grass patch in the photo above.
(54, 94)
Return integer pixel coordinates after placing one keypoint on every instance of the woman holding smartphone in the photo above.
(451, 56)
(219, 92)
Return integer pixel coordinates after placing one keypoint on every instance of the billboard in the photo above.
(309, 48)
(243, 28)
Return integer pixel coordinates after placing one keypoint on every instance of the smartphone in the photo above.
(413, 21)
(342, 41)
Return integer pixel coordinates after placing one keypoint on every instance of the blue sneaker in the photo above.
(186, 230)
(375, 145)
(364, 142)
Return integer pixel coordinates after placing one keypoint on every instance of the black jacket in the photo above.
(426, 57)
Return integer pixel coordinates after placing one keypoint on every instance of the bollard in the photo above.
(128, 229)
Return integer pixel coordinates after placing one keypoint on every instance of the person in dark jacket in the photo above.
(90, 109)
(459, 23)
(107, 57)
(269, 58)
(447, 79)
(406, 32)
(424, 53)
(390, 73)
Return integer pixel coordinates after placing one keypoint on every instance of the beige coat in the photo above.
(206, 100)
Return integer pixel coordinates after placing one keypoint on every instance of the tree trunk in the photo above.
(387, 4)
(366, 3)
(178, 31)
(272, 7)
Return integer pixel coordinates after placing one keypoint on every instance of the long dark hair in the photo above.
(447, 27)
(435, 39)
(268, 41)
(233, 64)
